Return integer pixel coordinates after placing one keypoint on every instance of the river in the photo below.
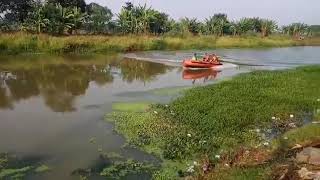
(53, 108)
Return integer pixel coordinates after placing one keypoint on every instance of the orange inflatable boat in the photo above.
(199, 64)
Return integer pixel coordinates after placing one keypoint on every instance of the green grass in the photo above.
(220, 118)
(19, 43)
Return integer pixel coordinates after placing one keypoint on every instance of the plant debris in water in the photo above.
(12, 167)
(114, 166)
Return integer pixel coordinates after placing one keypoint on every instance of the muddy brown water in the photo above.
(51, 107)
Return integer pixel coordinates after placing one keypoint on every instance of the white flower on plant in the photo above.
(291, 116)
(266, 143)
(258, 130)
(285, 138)
(155, 112)
(195, 163)
(166, 105)
(292, 125)
(318, 100)
(217, 156)
(189, 135)
(273, 118)
(190, 169)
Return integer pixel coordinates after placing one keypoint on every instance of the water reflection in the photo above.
(60, 84)
(205, 74)
(140, 70)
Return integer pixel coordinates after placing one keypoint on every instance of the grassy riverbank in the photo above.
(213, 126)
(19, 43)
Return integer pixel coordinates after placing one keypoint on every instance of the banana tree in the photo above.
(77, 18)
(65, 16)
(267, 27)
(295, 29)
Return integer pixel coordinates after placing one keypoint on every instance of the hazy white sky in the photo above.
(283, 11)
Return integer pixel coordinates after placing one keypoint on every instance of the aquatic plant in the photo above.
(124, 168)
(218, 119)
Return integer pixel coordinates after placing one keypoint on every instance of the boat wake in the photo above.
(174, 62)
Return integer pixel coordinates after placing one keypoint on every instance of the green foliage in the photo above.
(217, 25)
(98, 19)
(267, 27)
(75, 17)
(141, 20)
(296, 30)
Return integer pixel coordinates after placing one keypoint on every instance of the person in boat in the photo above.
(194, 58)
(214, 59)
(205, 57)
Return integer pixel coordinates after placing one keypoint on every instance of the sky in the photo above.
(282, 11)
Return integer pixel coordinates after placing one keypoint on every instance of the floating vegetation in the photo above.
(12, 167)
(169, 91)
(114, 166)
(41, 169)
(121, 169)
(226, 116)
(130, 106)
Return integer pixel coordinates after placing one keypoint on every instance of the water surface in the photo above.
(51, 107)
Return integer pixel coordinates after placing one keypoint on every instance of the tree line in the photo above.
(66, 17)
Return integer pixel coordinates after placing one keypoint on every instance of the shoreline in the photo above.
(21, 43)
